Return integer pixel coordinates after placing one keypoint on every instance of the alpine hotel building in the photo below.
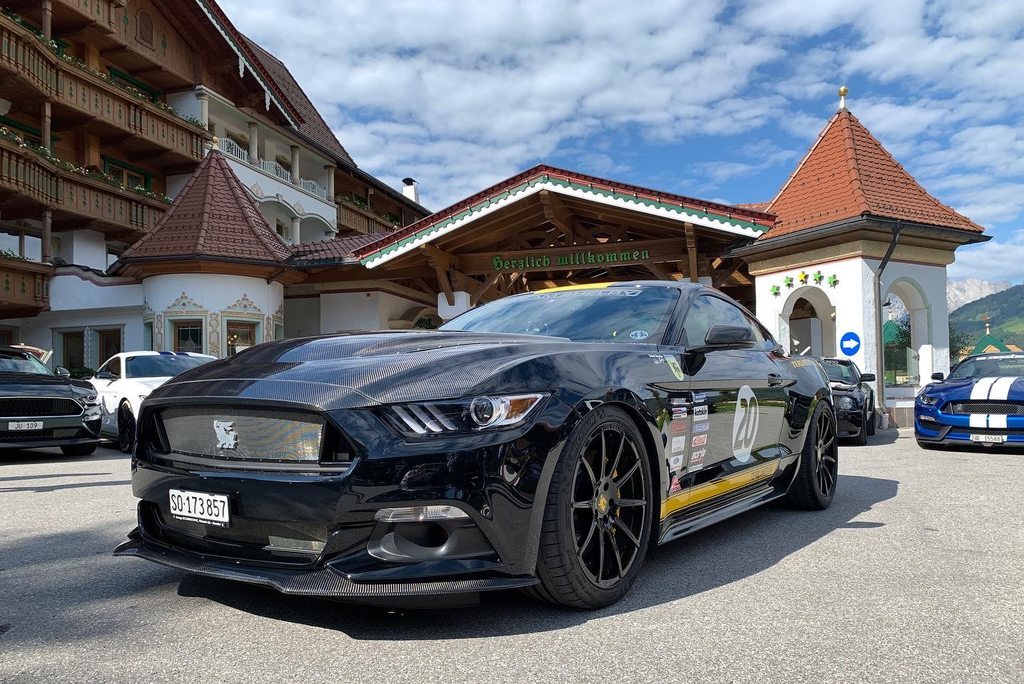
(166, 184)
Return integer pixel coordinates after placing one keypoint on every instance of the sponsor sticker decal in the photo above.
(678, 414)
(674, 366)
(700, 440)
(744, 424)
(700, 397)
(674, 486)
(700, 412)
(677, 427)
(701, 427)
(697, 459)
(639, 335)
(658, 359)
(678, 444)
(676, 463)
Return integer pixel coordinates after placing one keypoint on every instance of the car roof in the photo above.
(674, 284)
(147, 352)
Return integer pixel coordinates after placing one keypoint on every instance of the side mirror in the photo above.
(938, 377)
(62, 372)
(721, 335)
(867, 377)
(104, 375)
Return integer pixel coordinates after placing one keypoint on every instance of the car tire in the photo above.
(598, 514)
(817, 475)
(125, 428)
(871, 420)
(78, 449)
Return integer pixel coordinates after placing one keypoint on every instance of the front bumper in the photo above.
(849, 422)
(933, 426)
(315, 533)
(56, 431)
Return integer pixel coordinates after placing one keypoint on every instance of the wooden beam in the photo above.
(484, 287)
(719, 277)
(691, 250)
(658, 272)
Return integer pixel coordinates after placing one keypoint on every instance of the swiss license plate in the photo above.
(211, 509)
(989, 439)
(24, 425)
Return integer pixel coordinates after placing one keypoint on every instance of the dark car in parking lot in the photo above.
(853, 397)
(545, 441)
(44, 408)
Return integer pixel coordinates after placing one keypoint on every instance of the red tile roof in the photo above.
(334, 250)
(847, 173)
(312, 125)
(214, 218)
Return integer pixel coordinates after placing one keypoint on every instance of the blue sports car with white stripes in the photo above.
(981, 402)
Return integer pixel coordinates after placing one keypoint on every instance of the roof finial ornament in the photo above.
(843, 90)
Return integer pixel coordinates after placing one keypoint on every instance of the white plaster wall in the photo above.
(270, 186)
(185, 103)
(346, 311)
(42, 330)
(301, 316)
(931, 282)
(83, 248)
(394, 307)
(175, 184)
(69, 292)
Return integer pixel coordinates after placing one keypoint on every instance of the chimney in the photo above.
(410, 188)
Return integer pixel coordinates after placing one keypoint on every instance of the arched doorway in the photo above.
(906, 334)
(807, 323)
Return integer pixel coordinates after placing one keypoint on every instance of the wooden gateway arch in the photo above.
(549, 227)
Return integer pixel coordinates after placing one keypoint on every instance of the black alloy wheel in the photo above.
(597, 519)
(815, 484)
(608, 506)
(125, 429)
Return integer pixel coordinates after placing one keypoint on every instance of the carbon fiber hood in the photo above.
(348, 371)
(32, 385)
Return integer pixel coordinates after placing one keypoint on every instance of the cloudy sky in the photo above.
(707, 98)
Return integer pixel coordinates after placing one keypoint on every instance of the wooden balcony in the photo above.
(24, 287)
(28, 180)
(360, 220)
(92, 100)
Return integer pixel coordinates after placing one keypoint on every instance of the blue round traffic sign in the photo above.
(850, 343)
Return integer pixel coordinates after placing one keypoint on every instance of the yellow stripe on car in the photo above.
(567, 288)
(701, 493)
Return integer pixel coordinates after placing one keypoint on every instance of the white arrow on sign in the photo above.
(850, 344)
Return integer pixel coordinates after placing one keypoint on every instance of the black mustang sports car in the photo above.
(853, 398)
(545, 440)
(43, 408)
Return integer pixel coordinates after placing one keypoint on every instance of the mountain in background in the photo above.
(958, 293)
(961, 292)
(1005, 312)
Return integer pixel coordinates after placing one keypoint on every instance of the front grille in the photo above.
(242, 434)
(32, 407)
(24, 435)
(1016, 432)
(1006, 408)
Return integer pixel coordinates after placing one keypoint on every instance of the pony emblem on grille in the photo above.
(227, 438)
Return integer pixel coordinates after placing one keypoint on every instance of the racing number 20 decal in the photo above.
(744, 424)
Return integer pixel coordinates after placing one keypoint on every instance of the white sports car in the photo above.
(128, 378)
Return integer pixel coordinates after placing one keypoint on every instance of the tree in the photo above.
(959, 340)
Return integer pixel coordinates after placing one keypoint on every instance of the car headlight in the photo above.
(846, 403)
(89, 398)
(927, 399)
(480, 413)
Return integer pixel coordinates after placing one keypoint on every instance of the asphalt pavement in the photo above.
(915, 574)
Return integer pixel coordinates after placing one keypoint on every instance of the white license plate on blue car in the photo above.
(989, 439)
(210, 509)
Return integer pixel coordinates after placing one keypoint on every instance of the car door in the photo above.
(738, 398)
(108, 388)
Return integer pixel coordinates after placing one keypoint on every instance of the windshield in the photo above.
(14, 362)
(989, 366)
(613, 314)
(838, 372)
(160, 366)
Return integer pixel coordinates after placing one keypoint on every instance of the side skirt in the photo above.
(699, 520)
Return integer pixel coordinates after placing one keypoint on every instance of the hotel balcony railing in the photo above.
(236, 151)
(24, 287)
(68, 83)
(28, 174)
(358, 219)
